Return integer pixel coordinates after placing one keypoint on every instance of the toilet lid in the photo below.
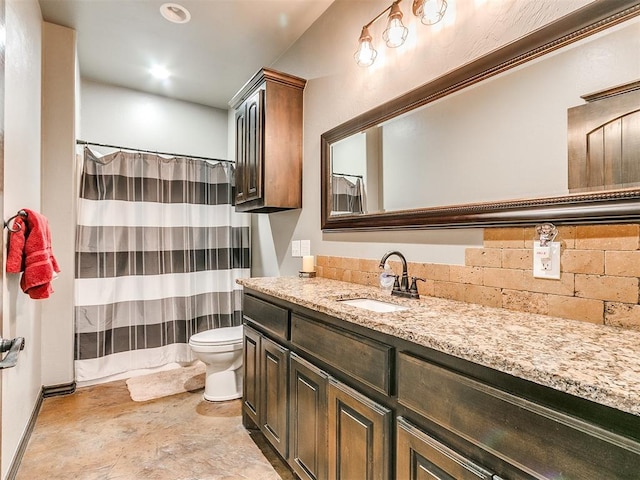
(218, 336)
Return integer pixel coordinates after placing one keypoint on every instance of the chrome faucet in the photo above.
(401, 288)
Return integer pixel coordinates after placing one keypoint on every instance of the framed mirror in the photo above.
(486, 144)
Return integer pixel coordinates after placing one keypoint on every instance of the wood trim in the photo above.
(12, 472)
(609, 207)
(610, 92)
(265, 75)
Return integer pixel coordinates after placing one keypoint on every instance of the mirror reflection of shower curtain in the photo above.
(347, 196)
(158, 250)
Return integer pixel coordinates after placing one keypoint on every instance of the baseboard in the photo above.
(24, 441)
(57, 390)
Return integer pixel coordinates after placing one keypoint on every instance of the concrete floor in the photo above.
(99, 433)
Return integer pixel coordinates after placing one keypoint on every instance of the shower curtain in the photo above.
(347, 196)
(158, 250)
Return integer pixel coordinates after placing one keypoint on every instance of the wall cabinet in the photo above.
(268, 146)
(342, 402)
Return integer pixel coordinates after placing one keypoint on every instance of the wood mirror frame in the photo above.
(611, 206)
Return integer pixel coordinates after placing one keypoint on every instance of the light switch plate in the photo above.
(305, 247)
(295, 248)
(546, 267)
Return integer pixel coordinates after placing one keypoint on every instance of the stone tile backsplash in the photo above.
(599, 282)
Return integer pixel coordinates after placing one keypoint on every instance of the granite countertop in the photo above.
(595, 362)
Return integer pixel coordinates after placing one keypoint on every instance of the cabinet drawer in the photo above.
(535, 439)
(267, 316)
(366, 360)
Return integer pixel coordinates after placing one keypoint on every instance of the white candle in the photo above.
(308, 263)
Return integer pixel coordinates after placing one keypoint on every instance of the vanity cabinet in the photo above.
(268, 145)
(340, 401)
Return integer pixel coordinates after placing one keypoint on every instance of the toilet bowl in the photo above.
(220, 350)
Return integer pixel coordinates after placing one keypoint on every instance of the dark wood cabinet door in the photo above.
(359, 435)
(251, 380)
(241, 164)
(253, 164)
(308, 420)
(421, 457)
(274, 370)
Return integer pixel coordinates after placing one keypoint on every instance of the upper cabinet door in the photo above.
(269, 143)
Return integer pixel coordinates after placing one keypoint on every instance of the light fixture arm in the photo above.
(382, 13)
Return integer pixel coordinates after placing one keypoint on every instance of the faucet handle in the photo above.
(413, 290)
(396, 283)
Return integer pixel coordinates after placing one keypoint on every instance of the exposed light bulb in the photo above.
(366, 54)
(431, 11)
(395, 34)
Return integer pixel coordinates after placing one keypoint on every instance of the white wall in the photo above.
(338, 89)
(119, 116)
(59, 193)
(21, 315)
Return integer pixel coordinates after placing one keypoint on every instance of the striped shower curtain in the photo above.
(158, 250)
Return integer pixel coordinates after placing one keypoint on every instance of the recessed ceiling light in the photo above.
(175, 13)
(159, 72)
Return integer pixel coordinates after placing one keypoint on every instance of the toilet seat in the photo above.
(218, 337)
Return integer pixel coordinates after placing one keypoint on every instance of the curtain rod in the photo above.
(82, 142)
(347, 175)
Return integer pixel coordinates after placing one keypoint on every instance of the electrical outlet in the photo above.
(295, 248)
(546, 260)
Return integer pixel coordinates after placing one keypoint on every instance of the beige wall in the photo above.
(22, 181)
(338, 90)
(59, 197)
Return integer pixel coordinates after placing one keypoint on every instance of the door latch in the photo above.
(13, 347)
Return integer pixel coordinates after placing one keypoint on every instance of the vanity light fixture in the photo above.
(430, 12)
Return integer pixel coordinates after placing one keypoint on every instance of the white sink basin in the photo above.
(374, 305)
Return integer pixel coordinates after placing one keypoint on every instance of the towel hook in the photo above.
(20, 213)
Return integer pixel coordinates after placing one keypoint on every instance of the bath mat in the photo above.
(167, 382)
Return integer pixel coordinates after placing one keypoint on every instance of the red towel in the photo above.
(30, 252)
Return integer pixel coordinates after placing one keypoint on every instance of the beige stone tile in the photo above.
(622, 315)
(437, 271)
(582, 261)
(368, 265)
(564, 286)
(489, 296)
(483, 257)
(622, 263)
(608, 237)
(426, 288)
(349, 263)
(517, 258)
(575, 308)
(334, 262)
(450, 290)
(615, 289)
(321, 260)
(522, 301)
(462, 274)
(504, 278)
(504, 237)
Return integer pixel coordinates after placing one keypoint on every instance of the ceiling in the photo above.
(209, 58)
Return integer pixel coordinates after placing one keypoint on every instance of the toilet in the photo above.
(220, 349)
